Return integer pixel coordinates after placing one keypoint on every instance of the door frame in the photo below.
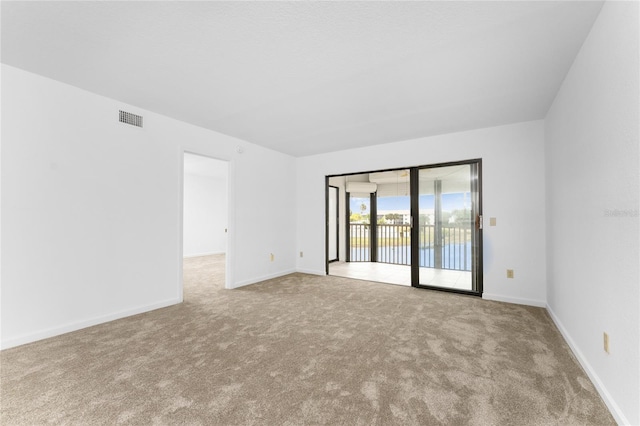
(476, 186)
(337, 218)
(230, 217)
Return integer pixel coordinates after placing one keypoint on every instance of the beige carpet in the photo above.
(305, 350)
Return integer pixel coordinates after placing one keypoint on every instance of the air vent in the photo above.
(129, 118)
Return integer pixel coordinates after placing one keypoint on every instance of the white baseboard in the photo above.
(311, 271)
(516, 300)
(186, 256)
(67, 328)
(263, 278)
(615, 410)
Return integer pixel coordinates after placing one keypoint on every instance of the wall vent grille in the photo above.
(129, 118)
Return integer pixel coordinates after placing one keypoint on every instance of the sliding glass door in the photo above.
(447, 231)
(418, 226)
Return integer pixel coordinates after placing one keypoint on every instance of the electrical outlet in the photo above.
(272, 257)
(301, 254)
(606, 342)
(509, 273)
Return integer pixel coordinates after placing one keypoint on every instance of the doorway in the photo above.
(418, 226)
(204, 220)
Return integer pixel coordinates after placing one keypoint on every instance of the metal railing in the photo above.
(455, 247)
(359, 242)
(394, 245)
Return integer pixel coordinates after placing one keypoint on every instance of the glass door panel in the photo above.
(447, 236)
(359, 228)
(393, 212)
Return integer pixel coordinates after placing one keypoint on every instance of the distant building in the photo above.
(403, 217)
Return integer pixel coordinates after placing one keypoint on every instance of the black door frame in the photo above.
(337, 223)
(476, 187)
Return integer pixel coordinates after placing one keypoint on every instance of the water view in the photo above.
(454, 256)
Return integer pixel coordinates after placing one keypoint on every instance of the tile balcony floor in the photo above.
(401, 274)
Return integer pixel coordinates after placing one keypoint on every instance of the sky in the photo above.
(450, 202)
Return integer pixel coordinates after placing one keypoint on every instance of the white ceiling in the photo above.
(309, 77)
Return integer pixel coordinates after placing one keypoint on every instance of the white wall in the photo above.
(92, 208)
(592, 168)
(205, 215)
(513, 192)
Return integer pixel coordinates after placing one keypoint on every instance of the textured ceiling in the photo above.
(309, 77)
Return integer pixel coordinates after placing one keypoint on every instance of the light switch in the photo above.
(492, 221)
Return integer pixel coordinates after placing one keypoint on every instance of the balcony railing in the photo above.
(394, 245)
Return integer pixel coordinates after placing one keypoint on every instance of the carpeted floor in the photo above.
(308, 350)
